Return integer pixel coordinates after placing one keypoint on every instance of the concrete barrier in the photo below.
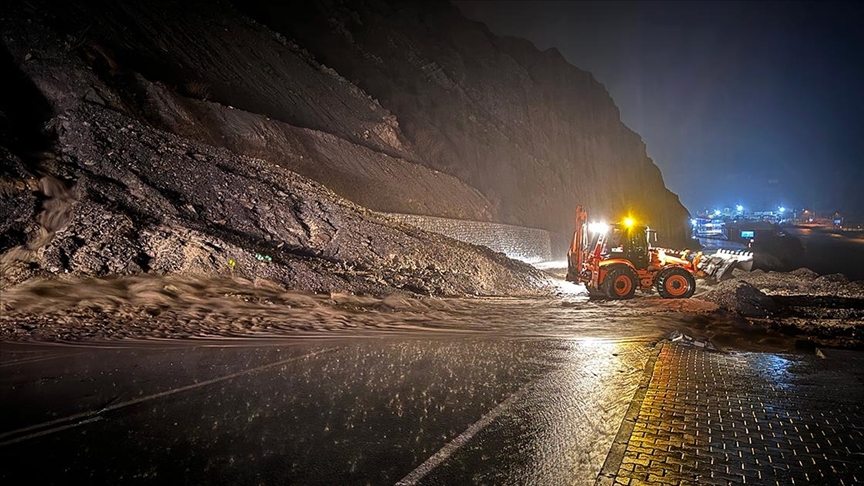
(527, 244)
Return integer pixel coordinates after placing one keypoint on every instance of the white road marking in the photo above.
(93, 415)
(35, 359)
(442, 455)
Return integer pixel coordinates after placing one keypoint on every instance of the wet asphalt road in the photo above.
(367, 411)
(525, 397)
(488, 391)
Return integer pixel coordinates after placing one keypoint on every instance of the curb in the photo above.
(612, 464)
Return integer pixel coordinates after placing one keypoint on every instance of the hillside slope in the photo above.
(533, 133)
(92, 185)
(202, 70)
(412, 98)
(120, 198)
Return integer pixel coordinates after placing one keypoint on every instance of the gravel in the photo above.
(828, 308)
(122, 198)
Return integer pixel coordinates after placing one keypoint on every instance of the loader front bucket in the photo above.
(719, 266)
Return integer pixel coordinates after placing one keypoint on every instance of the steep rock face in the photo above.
(425, 112)
(361, 174)
(533, 133)
(203, 70)
(90, 188)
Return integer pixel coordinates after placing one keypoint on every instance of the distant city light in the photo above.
(717, 212)
(693, 222)
(782, 209)
(739, 208)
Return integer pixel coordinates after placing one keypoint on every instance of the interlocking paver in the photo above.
(747, 418)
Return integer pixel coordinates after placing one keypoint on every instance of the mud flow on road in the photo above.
(179, 380)
(182, 307)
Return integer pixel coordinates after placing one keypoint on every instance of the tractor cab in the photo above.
(630, 242)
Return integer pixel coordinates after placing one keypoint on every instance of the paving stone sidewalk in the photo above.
(707, 417)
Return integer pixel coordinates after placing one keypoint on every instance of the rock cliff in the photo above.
(93, 182)
(375, 93)
(398, 107)
(533, 133)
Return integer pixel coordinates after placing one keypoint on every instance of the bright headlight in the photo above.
(598, 227)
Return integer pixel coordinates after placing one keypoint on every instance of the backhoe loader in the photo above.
(613, 261)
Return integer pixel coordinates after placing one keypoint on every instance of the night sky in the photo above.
(760, 104)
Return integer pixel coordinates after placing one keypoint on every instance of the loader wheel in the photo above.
(676, 283)
(620, 283)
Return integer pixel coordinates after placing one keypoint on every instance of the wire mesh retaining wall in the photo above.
(527, 244)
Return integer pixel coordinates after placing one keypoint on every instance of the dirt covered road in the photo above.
(753, 311)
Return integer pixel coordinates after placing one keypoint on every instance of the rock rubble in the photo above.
(802, 301)
(128, 199)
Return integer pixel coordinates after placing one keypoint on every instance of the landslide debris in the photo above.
(123, 198)
(18, 202)
(445, 118)
(202, 70)
(741, 298)
(802, 301)
(125, 159)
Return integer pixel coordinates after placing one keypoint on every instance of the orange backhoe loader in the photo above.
(614, 260)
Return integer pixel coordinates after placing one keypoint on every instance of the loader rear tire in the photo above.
(676, 283)
(620, 283)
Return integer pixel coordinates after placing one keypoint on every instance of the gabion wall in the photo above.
(527, 244)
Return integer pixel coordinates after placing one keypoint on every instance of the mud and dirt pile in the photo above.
(204, 71)
(741, 298)
(115, 163)
(828, 306)
(440, 116)
(121, 198)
